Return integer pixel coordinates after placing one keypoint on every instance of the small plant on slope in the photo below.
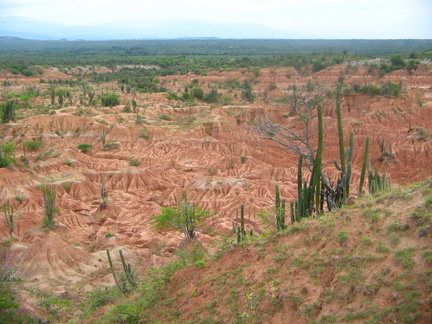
(186, 217)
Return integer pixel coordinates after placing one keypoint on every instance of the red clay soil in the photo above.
(207, 151)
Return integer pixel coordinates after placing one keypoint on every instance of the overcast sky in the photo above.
(323, 19)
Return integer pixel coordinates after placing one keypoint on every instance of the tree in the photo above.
(197, 92)
(185, 217)
(398, 62)
(212, 96)
(302, 106)
(247, 91)
(317, 66)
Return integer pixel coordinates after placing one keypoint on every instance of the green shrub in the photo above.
(172, 96)
(7, 296)
(397, 62)
(84, 147)
(134, 162)
(126, 109)
(100, 297)
(7, 112)
(428, 202)
(49, 198)
(186, 96)
(342, 236)
(7, 151)
(110, 99)
(212, 96)
(4, 162)
(186, 217)
(27, 72)
(110, 146)
(164, 117)
(34, 145)
(317, 66)
(197, 93)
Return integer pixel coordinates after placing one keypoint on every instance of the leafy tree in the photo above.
(412, 65)
(212, 96)
(197, 92)
(247, 91)
(384, 69)
(318, 65)
(391, 89)
(61, 93)
(186, 217)
(397, 62)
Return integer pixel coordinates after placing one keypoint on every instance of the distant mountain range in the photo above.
(35, 29)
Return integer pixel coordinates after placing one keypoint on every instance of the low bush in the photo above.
(34, 145)
(110, 99)
(84, 147)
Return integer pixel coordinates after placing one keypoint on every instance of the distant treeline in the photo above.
(200, 55)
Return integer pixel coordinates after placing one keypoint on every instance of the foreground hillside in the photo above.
(366, 263)
(146, 157)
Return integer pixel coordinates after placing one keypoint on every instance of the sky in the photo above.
(319, 18)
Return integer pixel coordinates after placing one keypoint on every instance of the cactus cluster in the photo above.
(310, 194)
(377, 183)
(337, 195)
(125, 281)
(240, 230)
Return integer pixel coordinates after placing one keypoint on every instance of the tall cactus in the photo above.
(299, 176)
(127, 277)
(346, 177)
(364, 166)
(127, 270)
(241, 232)
(279, 211)
(345, 156)
(340, 128)
(318, 162)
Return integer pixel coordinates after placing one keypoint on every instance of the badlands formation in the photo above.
(208, 151)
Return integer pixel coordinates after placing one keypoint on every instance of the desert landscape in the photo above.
(149, 149)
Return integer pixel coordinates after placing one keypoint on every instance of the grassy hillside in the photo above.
(369, 262)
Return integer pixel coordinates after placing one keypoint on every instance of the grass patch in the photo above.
(405, 257)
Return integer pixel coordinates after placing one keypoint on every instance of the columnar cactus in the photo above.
(364, 166)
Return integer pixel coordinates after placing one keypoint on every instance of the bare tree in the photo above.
(302, 107)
